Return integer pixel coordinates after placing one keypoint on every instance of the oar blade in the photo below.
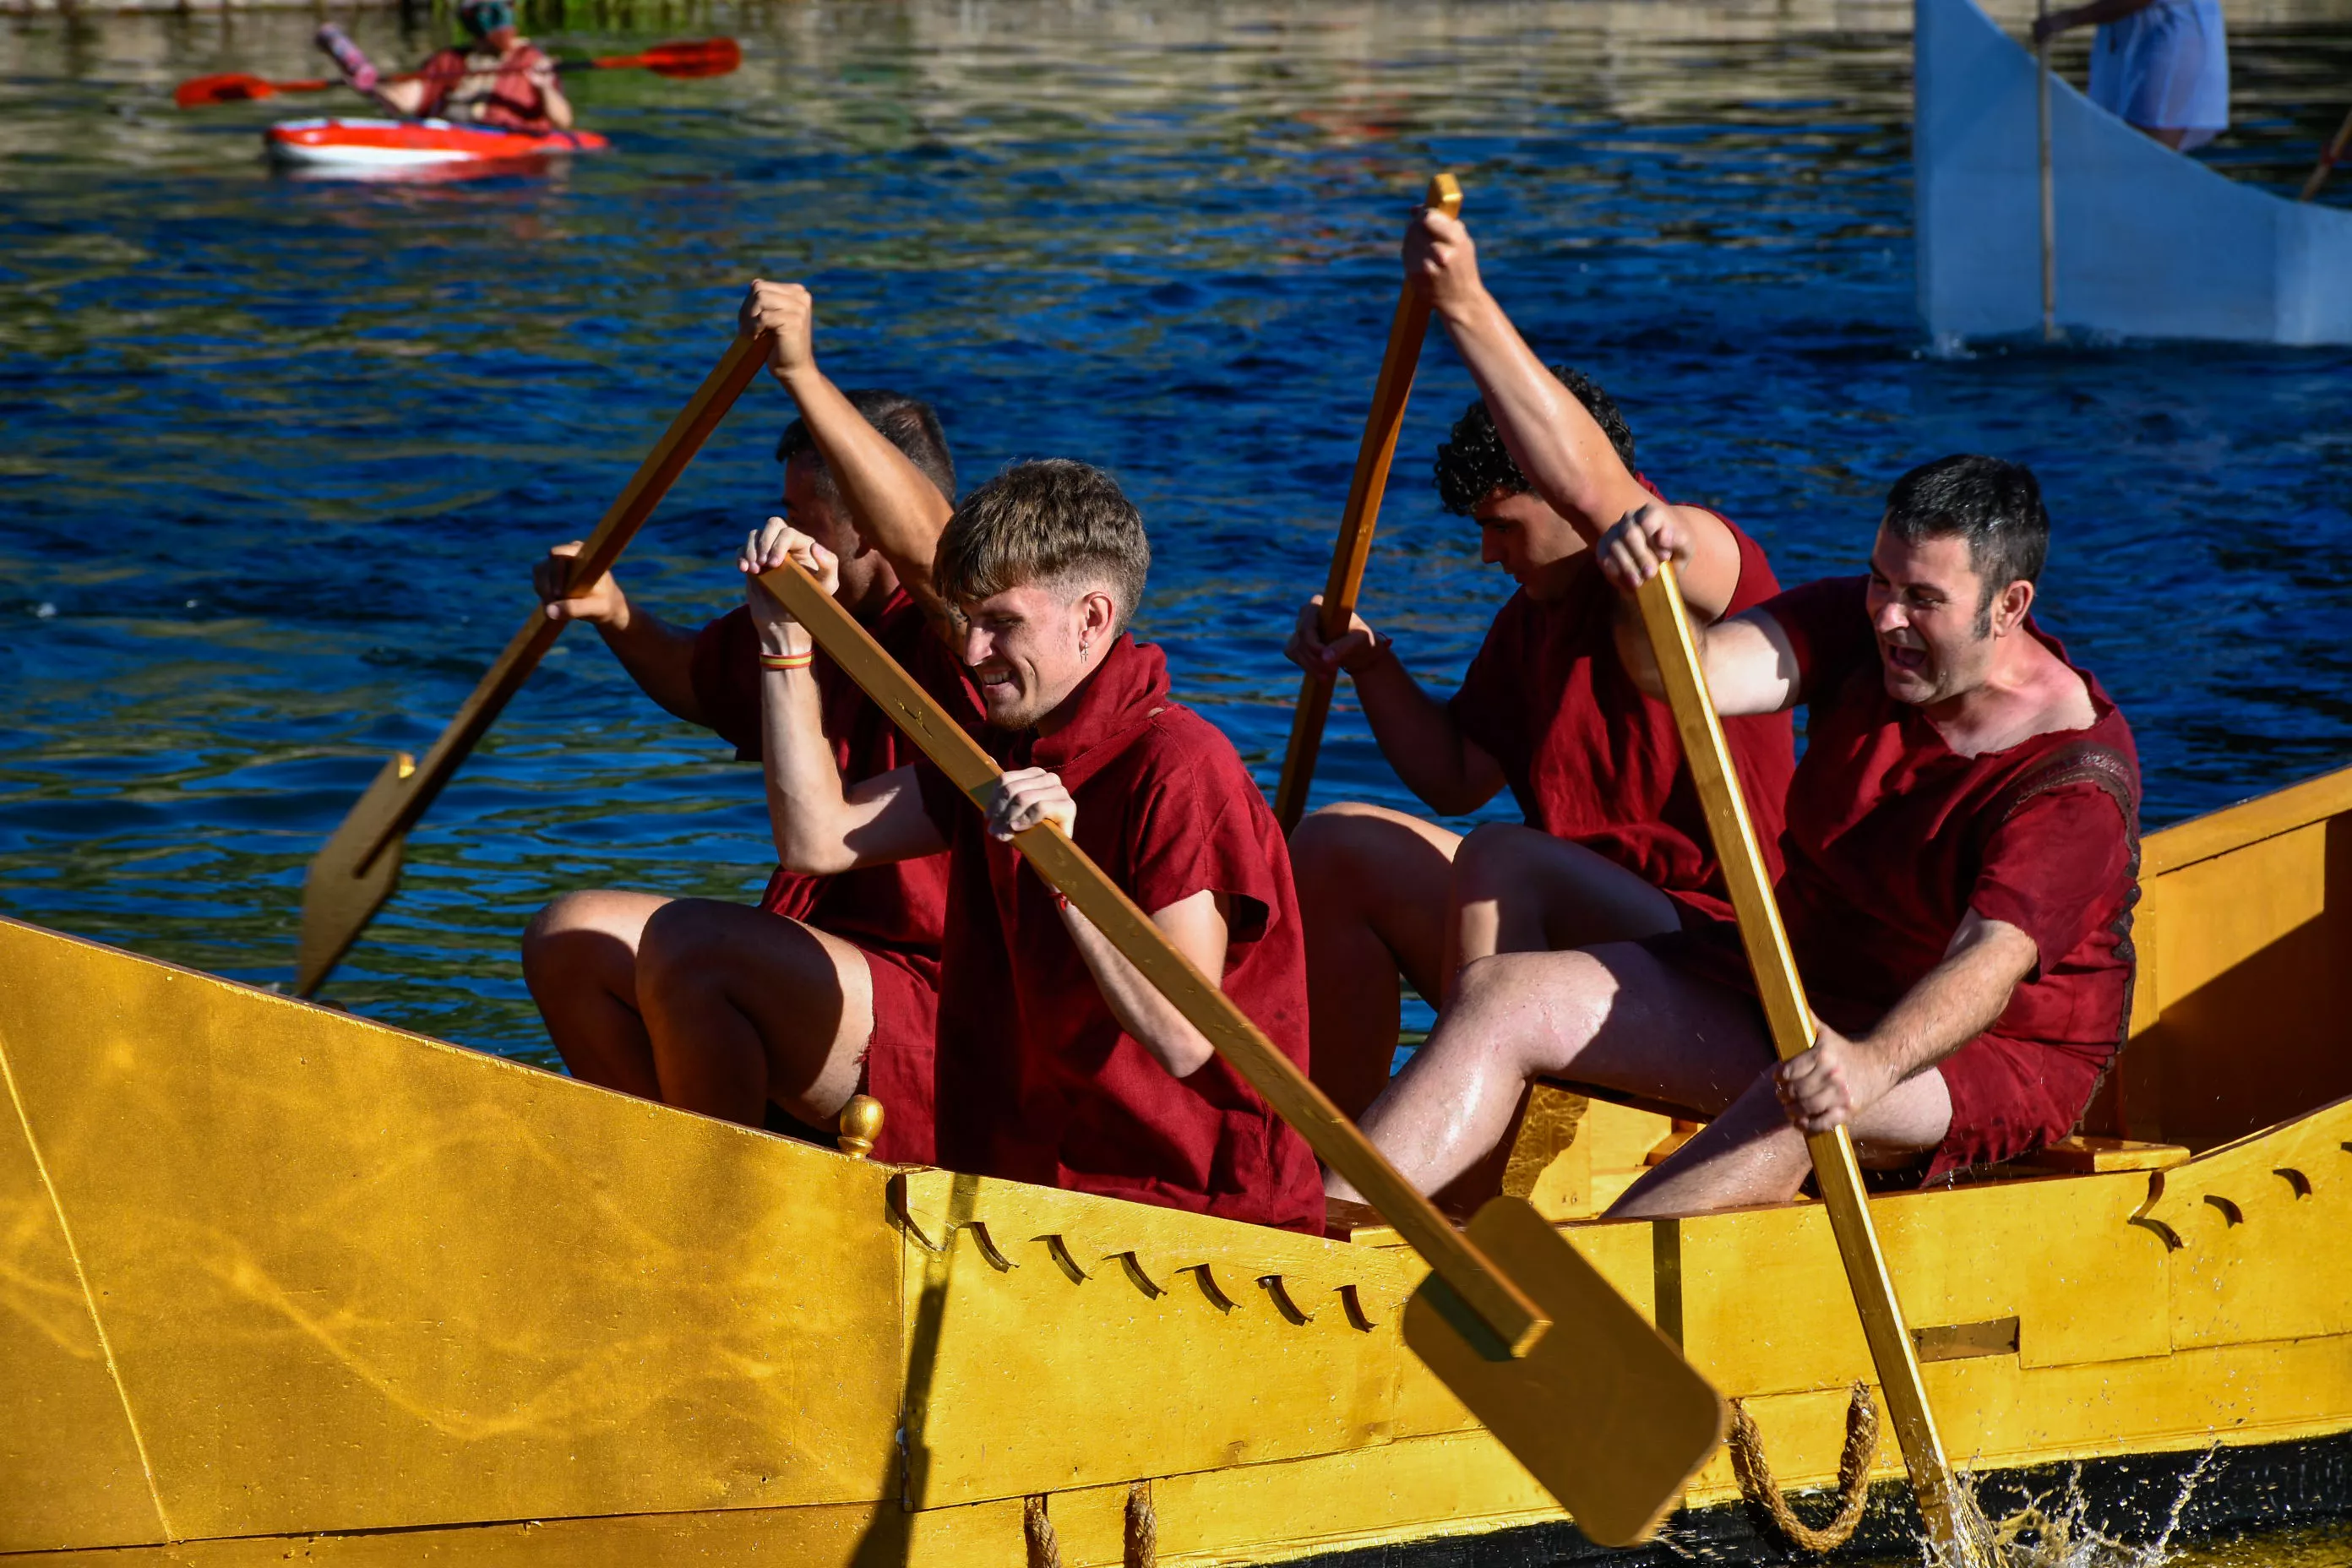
(1603, 1411)
(345, 888)
(707, 57)
(201, 91)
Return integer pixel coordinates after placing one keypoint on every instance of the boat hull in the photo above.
(274, 1278)
(2150, 242)
(394, 145)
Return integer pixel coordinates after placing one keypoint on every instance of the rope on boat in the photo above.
(1142, 1527)
(1755, 1483)
(1045, 1546)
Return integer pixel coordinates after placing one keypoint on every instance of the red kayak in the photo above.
(366, 145)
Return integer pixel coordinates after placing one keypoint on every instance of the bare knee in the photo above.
(1537, 1011)
(1491, 856)
(674, 953)
(1330, 849)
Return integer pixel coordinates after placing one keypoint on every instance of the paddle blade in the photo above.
(340, 894)
(708, 57)
(229, 88)
(1603, 1411)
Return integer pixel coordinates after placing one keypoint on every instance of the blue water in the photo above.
(278, 454)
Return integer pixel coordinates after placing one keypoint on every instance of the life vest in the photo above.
(478, 88)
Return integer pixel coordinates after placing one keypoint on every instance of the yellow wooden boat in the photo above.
(284, 1284)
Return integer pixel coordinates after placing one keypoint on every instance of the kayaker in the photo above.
(1058, 1062)
(2160, 65)
(1613, 839)
(1962, 847)
(854, 958)
(502, 79)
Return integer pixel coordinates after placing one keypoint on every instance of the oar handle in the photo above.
(638, 498)
(1361, 515)
(1782, 993)
(1515, 1320)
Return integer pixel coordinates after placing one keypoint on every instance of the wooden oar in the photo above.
(695, 57)
(1357, 521)
(2327, 157)
(1596, 1405)
(2049, 186)
(1792, 1022)
(356, 871)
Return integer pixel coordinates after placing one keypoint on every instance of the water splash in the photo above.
(2055, 1530)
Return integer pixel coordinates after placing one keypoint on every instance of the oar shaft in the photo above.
(1501, 1305)
(2327, 158)
(643, 493)
(1791, 1020)
(1357, 521)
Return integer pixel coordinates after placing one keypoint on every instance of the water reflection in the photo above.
(279, 453)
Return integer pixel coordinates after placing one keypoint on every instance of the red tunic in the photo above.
(1594, 760)
(1037, 1081)
(483, 88)
(1892, 838)
(893, 913)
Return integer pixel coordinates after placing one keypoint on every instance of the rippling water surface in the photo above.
(279, 453)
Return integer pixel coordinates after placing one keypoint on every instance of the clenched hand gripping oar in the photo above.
(2327, 157)
(1596, 1405)
(1792, 1023)
(356, 871)
(1356, 523)
(698, 56)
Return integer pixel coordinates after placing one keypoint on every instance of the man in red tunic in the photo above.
(1615, 843)
(1962, 847)
(1058, 1063)
(855, 958)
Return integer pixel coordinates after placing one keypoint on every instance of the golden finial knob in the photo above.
(861, 1123)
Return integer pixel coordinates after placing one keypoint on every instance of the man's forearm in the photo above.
(1137, 1004)
(659, 657)
(1554, 440)
(807, 808)
(1954, 1003)
(1416, 734)
(896, 508)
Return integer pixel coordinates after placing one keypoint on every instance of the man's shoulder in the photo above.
(1179, 749)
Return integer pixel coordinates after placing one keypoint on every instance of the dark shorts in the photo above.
(2010, 1097)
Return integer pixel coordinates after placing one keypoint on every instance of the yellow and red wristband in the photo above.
(787, 661)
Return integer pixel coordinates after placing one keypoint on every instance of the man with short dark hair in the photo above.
(854, 958)
(1058, 1063)
(1613, 844)
(1962, 844)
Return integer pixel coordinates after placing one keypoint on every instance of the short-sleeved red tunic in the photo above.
(1037, 1080)
(1591, 758)
(892, 913)
(1893, 837)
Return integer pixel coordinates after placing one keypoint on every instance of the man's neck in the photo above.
(2027, 692)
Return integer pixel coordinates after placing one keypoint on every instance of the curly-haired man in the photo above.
(1614, 845)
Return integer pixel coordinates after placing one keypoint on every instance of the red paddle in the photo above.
(698, 56)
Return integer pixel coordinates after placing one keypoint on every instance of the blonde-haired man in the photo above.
(1057, 1061)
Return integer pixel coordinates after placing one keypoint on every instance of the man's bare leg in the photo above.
(743, 1007)
(580, 959)
(1518, 890)
(1612, 1015)
(1750, 1154)
(1372, 893)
